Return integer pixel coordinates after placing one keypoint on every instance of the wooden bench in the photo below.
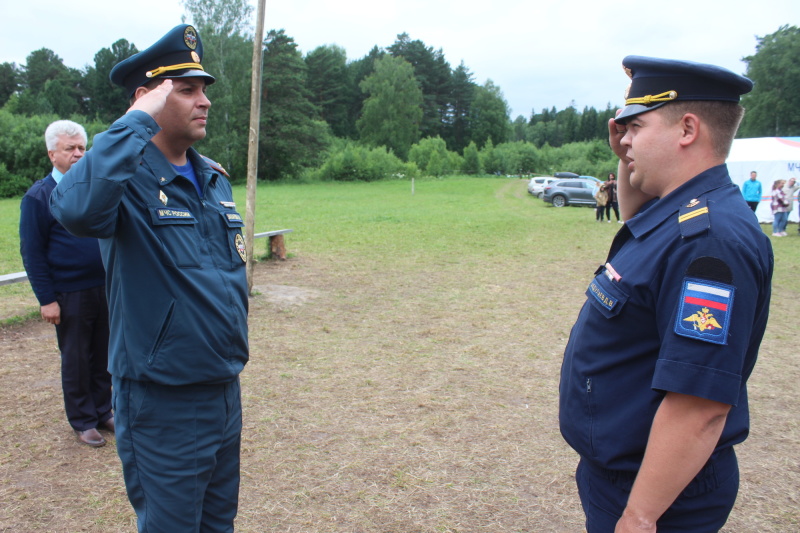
(276, 246)
(16, 277)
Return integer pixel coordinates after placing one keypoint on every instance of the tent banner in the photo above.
(773, 158)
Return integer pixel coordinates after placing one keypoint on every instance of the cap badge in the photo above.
(190, 37)
(628, 71)
(195, 57)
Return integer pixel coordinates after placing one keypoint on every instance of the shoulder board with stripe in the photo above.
(693, 218)
(216, 166)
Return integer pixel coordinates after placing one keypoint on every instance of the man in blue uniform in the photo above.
(653, 384)
(68, 279)
(171, 239)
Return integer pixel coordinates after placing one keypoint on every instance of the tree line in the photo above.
(325, 116)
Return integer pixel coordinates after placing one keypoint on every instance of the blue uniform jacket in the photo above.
(176, 284)
(55, 260)
(682, 307)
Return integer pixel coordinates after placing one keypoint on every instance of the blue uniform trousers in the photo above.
(179, 447)
(703, 507)
(83, 342)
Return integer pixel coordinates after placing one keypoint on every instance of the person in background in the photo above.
(751, 190)
(798, 215)
(789, 190)
(175, 256)
(653, 392)
(612, 203)
(601, 200)
(67, 277)
(780, 206)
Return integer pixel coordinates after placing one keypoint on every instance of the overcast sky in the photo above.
(540, 53)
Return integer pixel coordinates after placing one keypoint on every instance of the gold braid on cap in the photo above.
(653, 98)
(161, 70)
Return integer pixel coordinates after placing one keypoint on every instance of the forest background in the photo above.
(399, 111)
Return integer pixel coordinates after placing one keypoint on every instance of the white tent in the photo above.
(772, 158)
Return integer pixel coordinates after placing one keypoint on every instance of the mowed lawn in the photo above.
(403, 375)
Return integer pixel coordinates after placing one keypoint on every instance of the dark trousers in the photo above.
(703, 507)
(83, 342)
(609, 207)
(599, 212)
(753, 206)
(180, 449)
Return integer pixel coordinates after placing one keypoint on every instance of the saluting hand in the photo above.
(152, 101)
(615, 134)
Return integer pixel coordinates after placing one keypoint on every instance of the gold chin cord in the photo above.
(182, 66)
(653, 98)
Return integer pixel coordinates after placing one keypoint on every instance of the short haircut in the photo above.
(723, 119)
(62, 127)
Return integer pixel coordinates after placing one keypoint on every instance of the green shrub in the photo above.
(11, 185)
(472, 161)
(358, 163)
(23, 151)
(590, 158)
(517, 158)
(433, 159)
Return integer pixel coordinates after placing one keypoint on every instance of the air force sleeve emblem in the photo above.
(704, 310)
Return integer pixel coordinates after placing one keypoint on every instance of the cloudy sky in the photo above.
(541, 53)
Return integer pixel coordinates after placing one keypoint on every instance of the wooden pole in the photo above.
(252, 149)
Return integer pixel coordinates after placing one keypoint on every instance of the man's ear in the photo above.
(139, 92)
(690, 126)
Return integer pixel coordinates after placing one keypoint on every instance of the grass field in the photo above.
(403, 375)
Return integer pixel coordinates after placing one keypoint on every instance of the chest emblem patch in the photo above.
(238, 242)
(704, 311)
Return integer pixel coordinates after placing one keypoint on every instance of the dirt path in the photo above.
(385, 400)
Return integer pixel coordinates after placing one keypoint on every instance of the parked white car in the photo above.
(536, 185)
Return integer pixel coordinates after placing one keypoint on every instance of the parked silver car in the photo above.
(536, 185)
(576, 191)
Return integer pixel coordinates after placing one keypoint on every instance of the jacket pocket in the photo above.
(234, 227)
(176, 229)
(162, 333)
(607, 296)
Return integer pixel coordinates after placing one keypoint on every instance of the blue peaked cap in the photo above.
(176, 55)
(656, 82)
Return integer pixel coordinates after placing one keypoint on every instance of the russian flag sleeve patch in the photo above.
(704, 310)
